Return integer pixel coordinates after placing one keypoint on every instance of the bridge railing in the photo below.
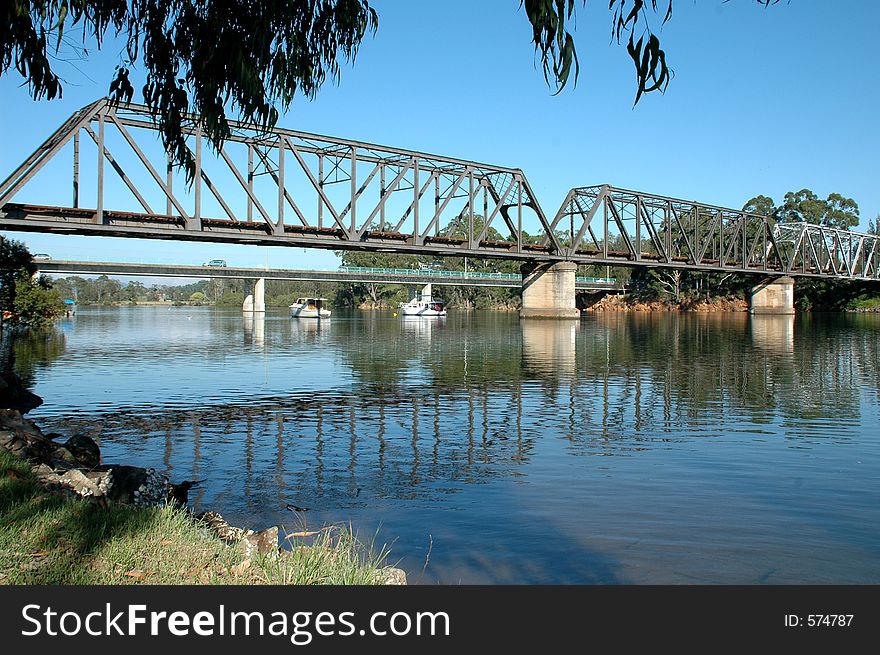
(468, 275)
(430, 273)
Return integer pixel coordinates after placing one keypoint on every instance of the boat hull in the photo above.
(422, 312)
(309, 313)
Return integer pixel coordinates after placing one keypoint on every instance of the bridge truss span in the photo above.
(604, 224)
(285, 187)
(277, 187)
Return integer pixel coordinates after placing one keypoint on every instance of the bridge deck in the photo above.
(351, 274)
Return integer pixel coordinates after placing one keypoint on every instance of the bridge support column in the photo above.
(256, 302)
(548, 290)
(773, 296)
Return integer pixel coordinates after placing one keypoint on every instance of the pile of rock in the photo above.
(75, 467)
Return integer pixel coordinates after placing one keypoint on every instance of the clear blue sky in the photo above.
(763, 101)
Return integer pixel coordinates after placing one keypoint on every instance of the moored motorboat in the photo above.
(309, 308)
(424, 304)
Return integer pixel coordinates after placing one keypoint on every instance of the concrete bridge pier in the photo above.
(256, 302)
(773, 296)
(548, 290)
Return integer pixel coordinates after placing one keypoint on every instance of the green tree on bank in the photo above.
(805, 206)
(835, 211)
(37, 304)
(23, 300)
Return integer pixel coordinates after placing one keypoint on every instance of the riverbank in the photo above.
(624, 303)
(67, 519)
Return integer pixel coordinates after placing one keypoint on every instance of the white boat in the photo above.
(424, 304)
(309, 308)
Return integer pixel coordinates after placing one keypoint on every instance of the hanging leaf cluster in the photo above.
(553, 43)
(251, 57)
(208, 57)
(631, 21)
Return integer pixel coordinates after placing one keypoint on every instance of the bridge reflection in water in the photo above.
(773, 332)
(431, 425)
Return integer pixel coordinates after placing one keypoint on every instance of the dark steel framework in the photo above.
(610, 225)
(284, 187)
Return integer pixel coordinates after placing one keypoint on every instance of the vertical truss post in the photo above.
(382, 192)
(416, 202)
(195, 222)
(605, 201)
(470, 224)
(436, 205)
(99, 214)
(279, 226)
(667, 226)
(250, 182)
(169, 181)
(638, 234)
(76, 169)
(354, 193)
(764, 248)
(803, 248)
(320, 191)
(519, 206)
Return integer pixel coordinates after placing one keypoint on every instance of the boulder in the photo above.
(179, 493)
(23, 439)
(11, 419)
(91, 484)
(61, 458)
(133, 485)
(45, 474)
(221, 529)
(84, 450)
(79, 483)
(13, 394)
(391, 575)
(264, 542)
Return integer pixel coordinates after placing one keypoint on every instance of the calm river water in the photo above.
(619, 449)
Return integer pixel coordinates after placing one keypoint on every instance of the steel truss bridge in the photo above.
(283, 187)
(345, 274)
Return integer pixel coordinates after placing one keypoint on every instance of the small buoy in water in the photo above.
(394, 314)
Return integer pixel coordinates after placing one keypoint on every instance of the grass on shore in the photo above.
(865, 304)
(46, 538)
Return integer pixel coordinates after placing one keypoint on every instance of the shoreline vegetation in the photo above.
(601, 302)
(67, 518)
(638, 289)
